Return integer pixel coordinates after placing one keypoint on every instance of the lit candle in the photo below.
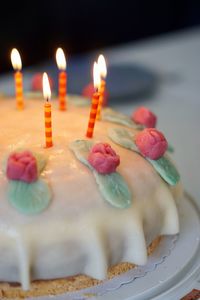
(62, 82)
(17, 66)
(103, 72)
(47, 111)
(95, 101)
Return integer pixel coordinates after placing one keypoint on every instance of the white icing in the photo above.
(24, 252)
(79, 232)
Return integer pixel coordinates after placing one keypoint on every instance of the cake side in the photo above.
(11, 291)
(79, 232)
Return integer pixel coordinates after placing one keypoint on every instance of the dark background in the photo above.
(37, 28)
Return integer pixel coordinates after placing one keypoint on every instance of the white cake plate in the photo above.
(177, 275)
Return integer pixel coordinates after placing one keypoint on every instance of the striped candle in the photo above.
(19, 90)
(95, 102)
(48, 125)
(93, 113)
(62, 90)
(62, 82)
(17, 65)
(101, 98)
(47, 111)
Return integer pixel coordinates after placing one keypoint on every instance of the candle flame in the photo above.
(16, 59)
(60, 59)
(96, 76)
(46, 87)
(102, 66)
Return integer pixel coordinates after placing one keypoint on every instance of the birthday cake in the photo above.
(85, 205)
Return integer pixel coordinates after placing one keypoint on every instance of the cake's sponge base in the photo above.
(13, 291)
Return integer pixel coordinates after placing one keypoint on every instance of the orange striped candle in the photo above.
(93, 113)
(47, 112)
(62, 82)
(48, 125)
(95, 102)
(101, 98)
(17, 65)
(62, 90)
(103, 72)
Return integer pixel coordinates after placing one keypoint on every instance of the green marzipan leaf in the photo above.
(122, 137)
(166, 170)
(115, 117)
(81, 149)
(114, 189)
(112, 186)
(29, 198)
(170, 148)
(41, 161)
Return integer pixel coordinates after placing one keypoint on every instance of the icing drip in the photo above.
(170, 217)
(24, 261)
(136, 248)
(97, 253)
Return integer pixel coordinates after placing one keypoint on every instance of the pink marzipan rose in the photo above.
(151, 143)
(103, 158)
(22, 166)
(144, 117)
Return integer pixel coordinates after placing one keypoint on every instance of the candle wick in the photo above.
(47, 99)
